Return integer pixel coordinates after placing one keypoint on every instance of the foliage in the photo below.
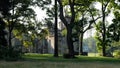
(64, 32)
(19, 17)
(3, 12)
(102, 27)
(76, 11)
(116, 44)
(13, 55)
(4, 9)
(2, 52)
(98, 37)
(44, 33)
(67, 56)
(117, 54)
(113, 29)
(10, 54)
(113, 32)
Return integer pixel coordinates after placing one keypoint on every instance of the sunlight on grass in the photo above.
(93, 54)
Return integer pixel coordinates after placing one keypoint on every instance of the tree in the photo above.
(4, 11)
(113, 32)
(102, 26)
(77, 11)
(104, 5)
(18, 12)
(52, 13)
(56, 32)
(68, 24)
(113, 29)
(3, 41)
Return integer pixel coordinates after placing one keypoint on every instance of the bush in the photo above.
(9, 54)
(85, 54)
(117, 54)
(2, 52)
(68, 56)
(13, 55)
(76, 53)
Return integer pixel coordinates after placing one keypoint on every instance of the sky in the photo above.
(40, 13)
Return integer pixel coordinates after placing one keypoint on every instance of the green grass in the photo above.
(31, 64)
(48, 61)
(49, 57)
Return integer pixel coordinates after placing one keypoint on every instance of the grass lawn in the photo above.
(48, 61)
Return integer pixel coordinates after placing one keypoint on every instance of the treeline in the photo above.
(82, 15)
(18, 18)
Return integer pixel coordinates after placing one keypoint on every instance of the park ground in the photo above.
(48, 61)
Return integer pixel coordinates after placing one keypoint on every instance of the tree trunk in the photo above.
(56, 33)
(104, 32)
(3, 41)
(9, 40)
(104, 41)
(81, 44)
(70, 42)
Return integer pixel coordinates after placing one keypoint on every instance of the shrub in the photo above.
(85, 54)
(12, 55)
(117, 54)
(68, 56)
(2, 52)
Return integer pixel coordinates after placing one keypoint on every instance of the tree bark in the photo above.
(81, 44)
(9, 39)
(70, 42)
(56, 32)
(104, 30)
(69, 25)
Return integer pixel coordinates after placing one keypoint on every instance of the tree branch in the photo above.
(72, 11)
(76, 4)
(106, 5)
(62, 17)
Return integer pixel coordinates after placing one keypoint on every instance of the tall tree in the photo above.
(104, 6)
(77, 11)
(4, 11)
(56, 32)
(113, 32)
(68, 23)
(3, 41)
(103, 27)
(21, 11)
(18, 13)
(113, 28)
